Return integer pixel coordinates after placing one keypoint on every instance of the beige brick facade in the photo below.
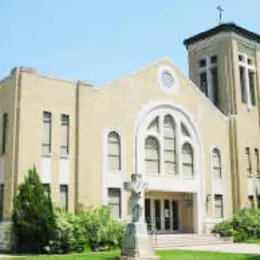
(128, 106)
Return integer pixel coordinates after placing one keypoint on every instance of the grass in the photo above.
(196, 255)
(165, 255)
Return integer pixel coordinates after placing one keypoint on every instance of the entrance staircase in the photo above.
(165, 241)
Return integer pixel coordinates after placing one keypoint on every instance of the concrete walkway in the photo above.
(227, 248)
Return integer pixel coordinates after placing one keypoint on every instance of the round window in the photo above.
(167, 79)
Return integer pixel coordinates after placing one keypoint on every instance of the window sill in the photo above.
(219, 219)
(46, 155)
(65, 157)
(115, 172)
(169, 175)
(189, 178)
(213, 220)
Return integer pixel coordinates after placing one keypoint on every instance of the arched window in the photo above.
(216, 164)
(154, 125)
(163, 150)
(184, 130)
(152, 155)
(169, 145)
(114, 152)
(187, 160)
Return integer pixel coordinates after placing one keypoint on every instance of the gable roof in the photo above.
(225, 27)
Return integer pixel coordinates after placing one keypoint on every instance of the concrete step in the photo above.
(172, 241)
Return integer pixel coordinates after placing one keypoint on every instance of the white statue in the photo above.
(137, 244)
(137, 188)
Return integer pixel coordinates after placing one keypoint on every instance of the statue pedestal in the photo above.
(137, 244)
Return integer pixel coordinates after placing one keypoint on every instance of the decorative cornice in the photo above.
(226, 27)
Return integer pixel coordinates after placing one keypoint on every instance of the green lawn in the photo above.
(166, 255)
(196, 255)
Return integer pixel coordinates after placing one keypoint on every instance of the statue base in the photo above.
(137, 245)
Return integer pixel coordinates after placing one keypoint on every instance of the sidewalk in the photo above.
(227, 248)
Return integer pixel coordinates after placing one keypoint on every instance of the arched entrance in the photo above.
(168, 153)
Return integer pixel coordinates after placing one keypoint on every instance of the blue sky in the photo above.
(100, 40)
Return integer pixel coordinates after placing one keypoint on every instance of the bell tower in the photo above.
(224, 63)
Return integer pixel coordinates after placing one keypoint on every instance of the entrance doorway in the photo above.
(162, 215)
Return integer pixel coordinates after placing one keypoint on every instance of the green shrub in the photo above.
(102, 231)
(70, 235)
(33, 217)
(90, 227)
(224, 229)
(247, 224)
(243, 226)
(40, 228)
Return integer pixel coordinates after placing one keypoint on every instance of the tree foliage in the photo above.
(33, 217)
(39, 227)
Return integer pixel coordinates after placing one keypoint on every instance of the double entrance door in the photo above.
(162, 215)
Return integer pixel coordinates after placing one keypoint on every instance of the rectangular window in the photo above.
(213, 59)
(64, 196)
(46, 138)
(209, 205)
(214, 77)
(204, 83)
(64, 149)
(249, 165)
(251, 78)
(219, 206)
(47, 188)
(202, 63)
(249, 61)
(241, 58)
(4, 133)
(1, 201)
(114, 201)
(251, 203)
(242, 83)
(257, 161)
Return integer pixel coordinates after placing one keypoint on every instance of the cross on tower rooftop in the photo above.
(221, 10)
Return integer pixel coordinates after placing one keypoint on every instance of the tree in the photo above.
(34, 223)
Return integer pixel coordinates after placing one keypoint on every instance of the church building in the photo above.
(195, 140)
